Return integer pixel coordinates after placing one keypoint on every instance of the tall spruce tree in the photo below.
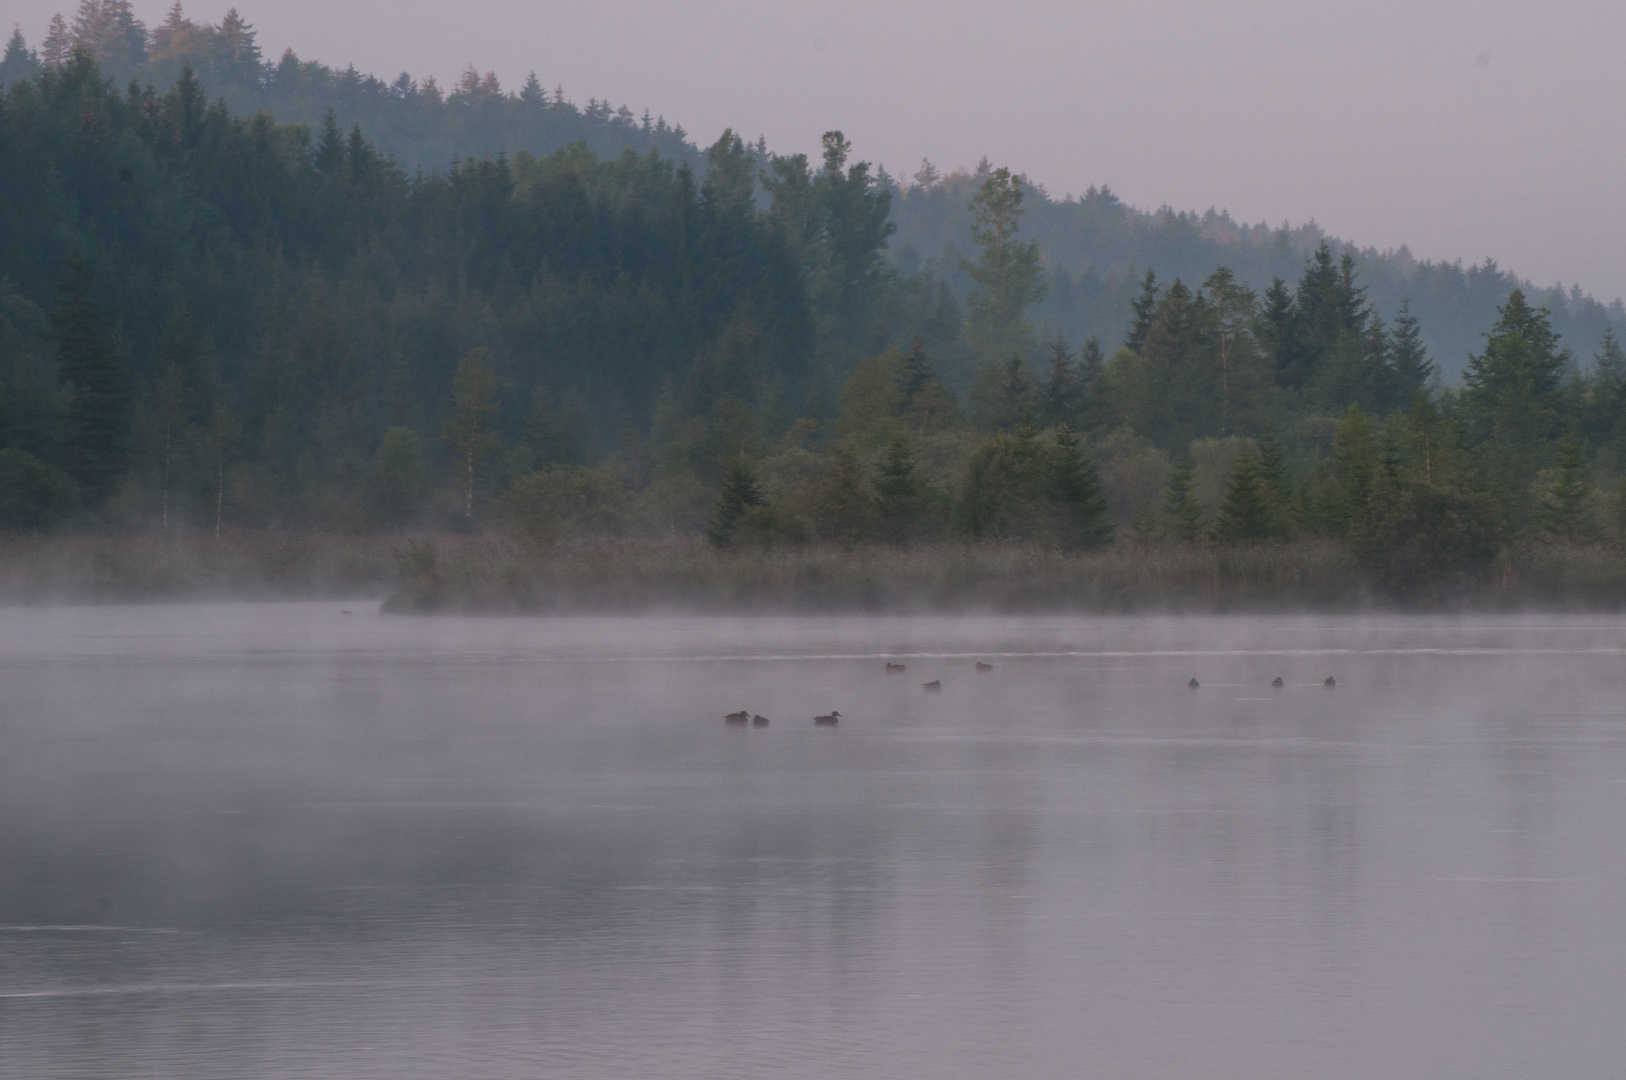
(1182, 509)
(739, 495)
(89, 362)
(1145, 307)
(900, 494)
(1245, 514)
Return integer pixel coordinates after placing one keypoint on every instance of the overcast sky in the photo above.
(1462, 129)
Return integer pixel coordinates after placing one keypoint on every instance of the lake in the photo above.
(277, 840)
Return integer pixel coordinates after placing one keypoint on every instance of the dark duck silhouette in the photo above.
(759, 720)
(737, 719)
(828, 721)
(932, 687)
(1193, 684)
(984, 667)
(893, 669)
(1330, 683)
(1276, 683)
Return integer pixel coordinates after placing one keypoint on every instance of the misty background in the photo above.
(1459, 131)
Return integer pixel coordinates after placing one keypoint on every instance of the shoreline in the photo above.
(485, 574)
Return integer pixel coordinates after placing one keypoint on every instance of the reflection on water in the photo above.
(272, 840)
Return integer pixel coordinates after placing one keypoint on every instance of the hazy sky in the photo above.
(1461, 129)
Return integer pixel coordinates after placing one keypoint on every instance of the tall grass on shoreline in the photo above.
(495, 574)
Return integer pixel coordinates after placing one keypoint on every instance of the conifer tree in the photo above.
(739, 495)
(1006, 271)
(1245, 514)
(88, 361)
(1409, 358)
(1082, 518)
(1145, 307)
(842, 509)
(57, 47)
(900, 494)
(1180, 504)
(20, 62)
(1566, 515)
(1061, 398)
(1278, 488)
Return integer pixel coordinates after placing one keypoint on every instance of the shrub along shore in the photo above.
(493, 573)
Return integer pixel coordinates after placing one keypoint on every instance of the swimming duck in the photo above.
(759, 720)
(737, 719)
(1276, 683)
(1330, 683)
(984, 667)
(932, 687)
(828, 721)
(893, 669)
(1193, 684)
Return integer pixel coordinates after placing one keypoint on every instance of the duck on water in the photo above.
(831, 720)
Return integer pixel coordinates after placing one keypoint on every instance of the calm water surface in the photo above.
(279, 841)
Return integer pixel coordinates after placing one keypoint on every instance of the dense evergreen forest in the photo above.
(214, 316)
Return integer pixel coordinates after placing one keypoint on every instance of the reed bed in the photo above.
(493, 573)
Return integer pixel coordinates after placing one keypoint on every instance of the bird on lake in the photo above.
(828, 721)
(1330, 683)
(984, 667)
(1193, 684)
(759, 720)
(737, 719)
(1276, 683)
(932, 687)
(893, 669)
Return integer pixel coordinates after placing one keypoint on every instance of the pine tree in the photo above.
(1566, 515)
(468, 429)
(1145, 307)
(1061, 398)
(57, 47)
(842, 509)
(88, 361)
(1245, 514)
(740, 493)
(1408, 357)
(1082, 518)
(533, 95)
(900, 494)
(329, 159)
(20, 62)
(1180, 504)
(1277, 486)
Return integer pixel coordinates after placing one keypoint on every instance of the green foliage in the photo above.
(1184, 513)
(33, 495)
(1002, 396)
(398, 478)
(88, 361)
(566, 501)
(841, 506)
(1567, 512)
(1006, 271)
(1248, 512)
(1020, 487)
(740, 494)
(902, 496)
(468, 428)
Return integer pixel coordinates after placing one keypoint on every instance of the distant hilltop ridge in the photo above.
(1095, 247)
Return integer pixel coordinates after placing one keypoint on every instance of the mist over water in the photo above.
(280, 841)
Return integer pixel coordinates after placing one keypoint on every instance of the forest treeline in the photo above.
(1096, 247)
(210, 319)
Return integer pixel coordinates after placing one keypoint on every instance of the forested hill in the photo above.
(417, 122)
(1096, 248)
